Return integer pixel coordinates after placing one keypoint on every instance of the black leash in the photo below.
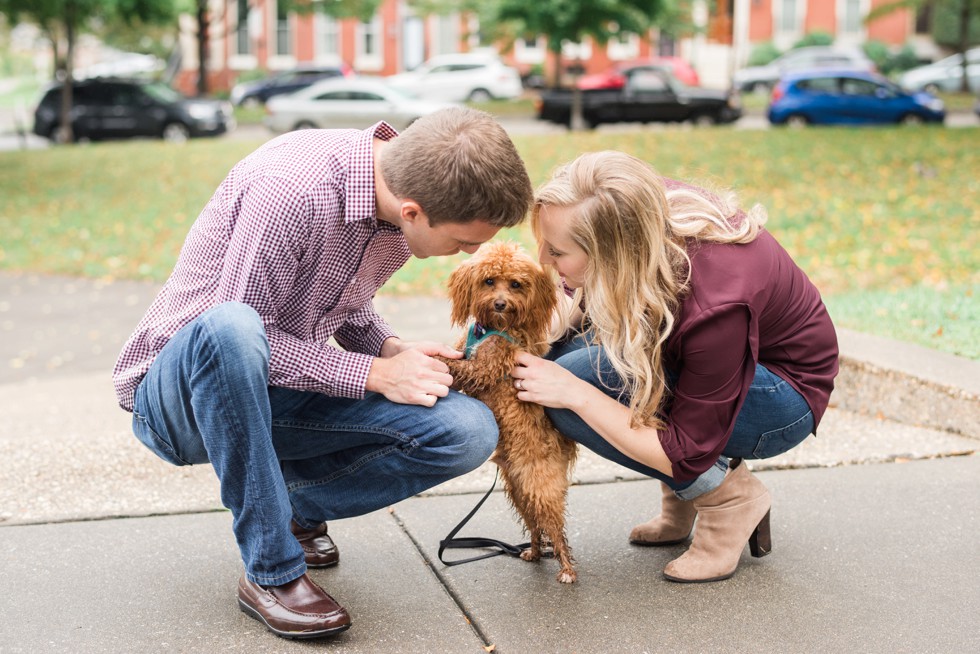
(450, 543)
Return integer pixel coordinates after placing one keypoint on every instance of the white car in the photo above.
(945, 75)
(463, 77)
(346, 102)
(764, 78)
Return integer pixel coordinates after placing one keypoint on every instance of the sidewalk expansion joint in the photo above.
(453, 595)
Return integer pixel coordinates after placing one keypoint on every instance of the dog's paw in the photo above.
(530, 555)
(567, 577)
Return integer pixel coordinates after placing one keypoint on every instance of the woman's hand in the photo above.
(545, 382)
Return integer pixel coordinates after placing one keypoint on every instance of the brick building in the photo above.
(248, 35)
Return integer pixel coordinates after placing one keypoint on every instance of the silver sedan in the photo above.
(357, 103)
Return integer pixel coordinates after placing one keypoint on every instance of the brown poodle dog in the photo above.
(511, 300)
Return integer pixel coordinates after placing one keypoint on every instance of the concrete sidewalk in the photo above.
(107, 549)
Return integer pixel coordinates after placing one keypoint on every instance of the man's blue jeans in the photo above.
(773, 419)
(282, 454)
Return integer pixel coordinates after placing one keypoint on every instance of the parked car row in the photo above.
(815, 85)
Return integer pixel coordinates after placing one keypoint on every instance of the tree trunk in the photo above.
(202, 47)
(65, 134)
(964, 43)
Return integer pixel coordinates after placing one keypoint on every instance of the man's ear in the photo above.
(411, 212)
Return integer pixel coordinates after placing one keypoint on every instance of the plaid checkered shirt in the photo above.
(292, 232)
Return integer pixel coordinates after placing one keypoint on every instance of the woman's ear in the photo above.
(460, 288)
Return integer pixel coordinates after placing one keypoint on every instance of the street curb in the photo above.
(908, 383)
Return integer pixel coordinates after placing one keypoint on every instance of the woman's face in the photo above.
(557, 249)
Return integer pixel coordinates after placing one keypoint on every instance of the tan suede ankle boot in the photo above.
(672, 526)
(735, 512)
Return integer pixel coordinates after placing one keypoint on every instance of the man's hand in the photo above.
(407, 373)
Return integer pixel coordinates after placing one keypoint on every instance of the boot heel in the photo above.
(760, 542)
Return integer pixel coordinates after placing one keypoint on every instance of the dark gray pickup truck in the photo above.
(649, 95)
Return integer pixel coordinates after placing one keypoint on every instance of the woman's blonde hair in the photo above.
(636, 233)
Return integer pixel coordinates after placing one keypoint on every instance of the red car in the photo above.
(615, 78)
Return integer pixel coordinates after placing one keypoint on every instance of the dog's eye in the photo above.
(515, 285)
(488, 281)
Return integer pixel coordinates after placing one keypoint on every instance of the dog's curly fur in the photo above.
(503, 289)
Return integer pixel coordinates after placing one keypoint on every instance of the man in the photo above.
(231, 364)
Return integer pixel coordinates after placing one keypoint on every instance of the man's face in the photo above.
(446, 239)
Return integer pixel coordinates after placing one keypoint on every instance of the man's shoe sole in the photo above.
(292, 635)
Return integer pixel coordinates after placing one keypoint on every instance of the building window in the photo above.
(327, 38)
(624, 45)
(369, 45)
(850, 17)
(284, 45)
(242, 39)
(447, 34)
(789, 17)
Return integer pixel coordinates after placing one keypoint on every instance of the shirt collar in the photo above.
(361, 203)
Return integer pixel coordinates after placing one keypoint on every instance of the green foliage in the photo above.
(947, 18)
(814, 38)
(903, 60)
(360, 9)
(763, 54)
(571, 20)
(877, 52)
(947, 22)
(887, 61)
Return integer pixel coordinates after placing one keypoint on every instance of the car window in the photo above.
(365, 96)
(818, 85)
(647, 80)
(162, 93)
(833, 60)
(852, 86)
(125, 96)
(445, 68)
(334, 95)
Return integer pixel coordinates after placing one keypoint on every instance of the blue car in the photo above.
(849, 98)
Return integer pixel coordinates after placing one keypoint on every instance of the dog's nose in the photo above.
(499, 305)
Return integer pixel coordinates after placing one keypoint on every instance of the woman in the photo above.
(697, 343)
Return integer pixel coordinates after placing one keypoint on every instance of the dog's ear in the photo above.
(544, 298)
(460, 289)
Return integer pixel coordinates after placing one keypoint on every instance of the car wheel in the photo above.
(480, 95)
(912, 119)
(797, 120)
(704, 120)
(932, 88)
(304, 124)
(175, 133)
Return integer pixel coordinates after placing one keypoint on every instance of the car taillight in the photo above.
(778, 91)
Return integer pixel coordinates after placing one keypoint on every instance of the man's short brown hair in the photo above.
(459, 165)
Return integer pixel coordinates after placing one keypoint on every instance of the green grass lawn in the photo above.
(885, 221)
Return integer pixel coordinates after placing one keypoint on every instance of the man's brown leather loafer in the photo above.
(317, 545)
(298, 609)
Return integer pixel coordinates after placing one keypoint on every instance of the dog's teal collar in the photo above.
(477, 334)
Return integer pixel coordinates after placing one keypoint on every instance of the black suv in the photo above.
(288, 81)
(116, 108)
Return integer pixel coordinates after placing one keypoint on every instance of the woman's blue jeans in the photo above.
(282, 454)
(773, 419)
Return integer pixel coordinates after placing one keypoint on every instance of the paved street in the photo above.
(105, 548)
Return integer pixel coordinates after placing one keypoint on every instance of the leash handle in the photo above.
(450, 542)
